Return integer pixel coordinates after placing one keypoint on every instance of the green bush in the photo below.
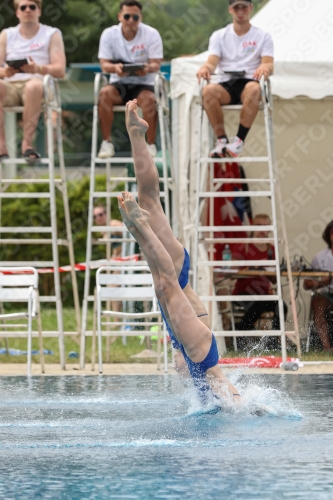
(36, 212)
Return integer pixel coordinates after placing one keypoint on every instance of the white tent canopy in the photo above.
(302, 31)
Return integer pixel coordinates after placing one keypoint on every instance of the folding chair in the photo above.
(129, 285)
(20, 284)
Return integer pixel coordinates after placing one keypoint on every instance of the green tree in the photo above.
(185, 26)
(36, 212)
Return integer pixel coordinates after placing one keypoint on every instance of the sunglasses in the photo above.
(135, 17)
(31, 7)
(240, 7)
(99, 215)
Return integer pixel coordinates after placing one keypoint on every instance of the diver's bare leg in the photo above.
(148, 185)
(147, 254)
(192, 333)
(193, 344)
(149, 199)
(180, 363)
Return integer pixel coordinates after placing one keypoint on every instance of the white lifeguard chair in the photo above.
(51, 107)
(168, 185)
(204, 235)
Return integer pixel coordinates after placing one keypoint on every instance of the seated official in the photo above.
(100, 219)
(322, 302)
(130, 41)
(257, 285)
(42, 46)
(243, 54)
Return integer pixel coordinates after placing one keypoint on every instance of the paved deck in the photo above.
(20, 369)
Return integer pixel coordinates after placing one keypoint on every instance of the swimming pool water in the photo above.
(135, 437)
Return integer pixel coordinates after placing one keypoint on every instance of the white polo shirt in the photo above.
(146, 45)
(240, 53)
(323, 261)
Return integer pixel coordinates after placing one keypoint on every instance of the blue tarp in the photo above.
(18, 352)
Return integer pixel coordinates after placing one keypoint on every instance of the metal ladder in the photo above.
(274, 194)
(52, 104)
(161, 94)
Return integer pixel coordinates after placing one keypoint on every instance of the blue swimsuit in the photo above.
(183, 277)
(182, 280)
(197, 370)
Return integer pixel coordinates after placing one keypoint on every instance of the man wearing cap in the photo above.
(243, 54)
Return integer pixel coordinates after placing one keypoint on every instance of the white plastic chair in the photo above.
(20, 284)
(129, 285)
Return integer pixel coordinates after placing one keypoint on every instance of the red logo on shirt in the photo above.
(35, 46)
(249, 44)
(138, 47)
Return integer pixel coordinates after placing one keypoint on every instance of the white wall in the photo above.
(303, 131)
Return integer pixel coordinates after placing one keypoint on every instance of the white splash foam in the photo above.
(256, 399)
(270, 401)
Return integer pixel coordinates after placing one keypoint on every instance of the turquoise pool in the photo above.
(139, 438)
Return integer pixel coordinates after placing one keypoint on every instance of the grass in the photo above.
(119, 353)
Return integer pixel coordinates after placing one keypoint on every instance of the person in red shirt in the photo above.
(256, 285)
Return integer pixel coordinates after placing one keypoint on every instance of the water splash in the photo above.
(257, 399)
(263, 400)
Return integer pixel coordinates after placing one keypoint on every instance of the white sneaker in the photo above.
(106, 150)
(235, 148)
(218, 151)
(152, 150)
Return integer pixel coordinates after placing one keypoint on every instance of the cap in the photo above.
(240, 2)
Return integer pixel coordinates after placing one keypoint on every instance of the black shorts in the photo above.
(235, 88)
(130, 91)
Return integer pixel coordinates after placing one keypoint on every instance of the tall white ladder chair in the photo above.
(51, 106)
(160, 89)
(274, 194)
